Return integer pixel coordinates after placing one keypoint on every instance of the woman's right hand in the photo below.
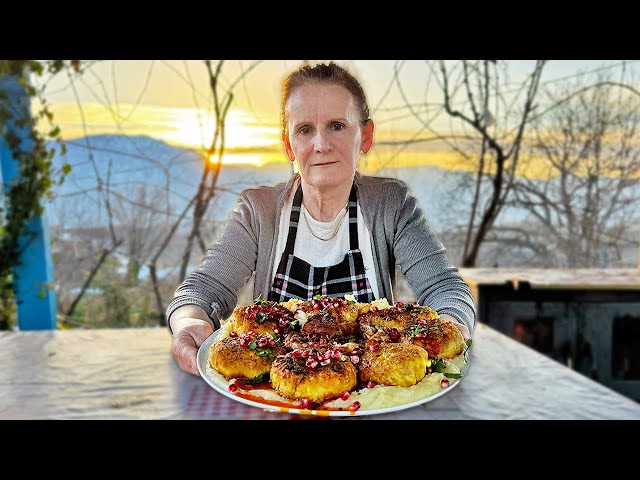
(188, 335)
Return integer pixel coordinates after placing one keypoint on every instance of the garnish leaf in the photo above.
(258, 378)
(438, 363)
(261, 301)
(416, 329)
(262, 352)
(453, 375)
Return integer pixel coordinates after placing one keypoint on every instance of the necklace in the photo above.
(335, 232)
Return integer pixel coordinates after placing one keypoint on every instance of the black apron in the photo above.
(296, 278)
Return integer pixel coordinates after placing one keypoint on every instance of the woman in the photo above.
(329, 230)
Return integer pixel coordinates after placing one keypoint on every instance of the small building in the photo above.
(587, 319)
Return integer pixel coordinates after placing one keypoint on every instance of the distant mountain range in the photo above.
(145, 171)
(128, 163)
(173, 173)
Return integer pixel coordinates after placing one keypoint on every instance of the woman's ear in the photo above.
(367, 136)
(287, 146)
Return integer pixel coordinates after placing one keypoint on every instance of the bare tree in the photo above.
(494, 125)
(141, 220)
(208, 181)
(106, 250)
(586, 148)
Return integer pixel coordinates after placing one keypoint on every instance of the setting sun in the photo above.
(247, 140)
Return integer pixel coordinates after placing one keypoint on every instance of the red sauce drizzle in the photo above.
(244, 389)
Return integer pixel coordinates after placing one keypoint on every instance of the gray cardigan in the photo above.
(400, 235)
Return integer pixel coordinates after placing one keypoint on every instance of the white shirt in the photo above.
(325, 253)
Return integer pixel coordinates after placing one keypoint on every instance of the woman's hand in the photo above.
(188, 334)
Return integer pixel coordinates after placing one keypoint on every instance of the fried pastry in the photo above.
(401, 364)
(411, 323)
(316, 377)
(246, 356)
(332, 317)
(261, 317)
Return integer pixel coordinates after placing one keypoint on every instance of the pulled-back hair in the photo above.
(322, 73)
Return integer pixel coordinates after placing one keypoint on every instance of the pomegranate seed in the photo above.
(305, 403)
(394, 334)
(311, 364)
(374, 347)
(233, 388)
(354, 358)
(297, 353)
(233, 334)
(354, 406)
(444, 383)
(344, 395)
(371, 384)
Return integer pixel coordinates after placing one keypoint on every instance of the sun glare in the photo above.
(247, 141)
(196, 129)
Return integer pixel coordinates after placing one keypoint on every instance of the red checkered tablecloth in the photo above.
(205, 403)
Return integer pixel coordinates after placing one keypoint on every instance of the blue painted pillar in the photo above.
(34, 273)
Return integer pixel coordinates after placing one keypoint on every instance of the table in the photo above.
(130, 374)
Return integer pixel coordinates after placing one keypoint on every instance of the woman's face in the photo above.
(325, 135)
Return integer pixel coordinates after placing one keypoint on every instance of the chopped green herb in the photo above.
(453, 375)
(258, 378)
(262, 352)
(416, 329)
(438, 363)
(469, 342)
(260, 301)
(317, 297)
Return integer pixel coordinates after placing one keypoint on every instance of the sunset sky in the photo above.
(171, 101)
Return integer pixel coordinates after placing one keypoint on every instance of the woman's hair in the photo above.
(324, 74)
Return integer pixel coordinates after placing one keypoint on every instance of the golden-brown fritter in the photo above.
(243, 357)
(439, 336)
(306, 377)
(328, 316)
(401, 364)
(385, 325)
(410, 323)
(261, 317)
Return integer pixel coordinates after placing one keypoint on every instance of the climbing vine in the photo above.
(36, 175)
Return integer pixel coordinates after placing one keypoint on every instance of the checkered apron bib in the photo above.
(296, 278)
